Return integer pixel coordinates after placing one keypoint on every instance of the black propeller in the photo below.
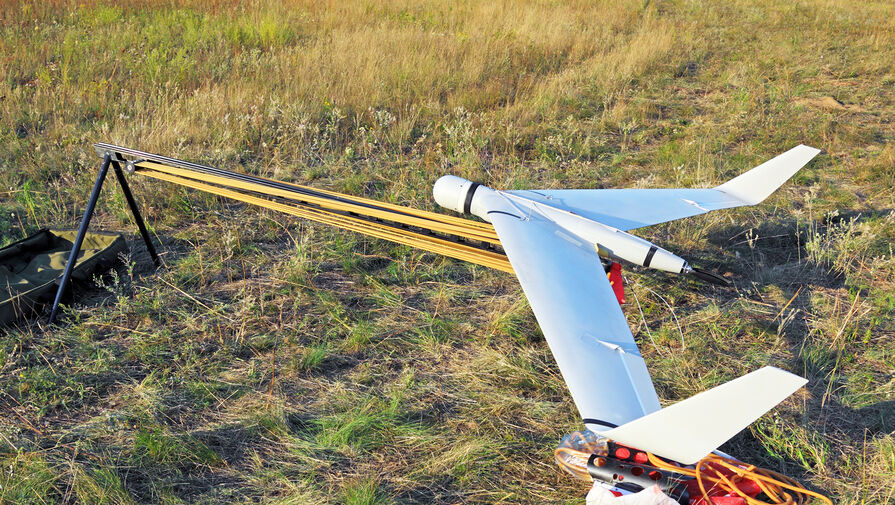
(706, 276)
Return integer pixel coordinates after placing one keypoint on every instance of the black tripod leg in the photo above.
(82, 231)
(135, 211)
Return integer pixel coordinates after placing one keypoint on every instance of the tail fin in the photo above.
(757, 184)
(690, 429)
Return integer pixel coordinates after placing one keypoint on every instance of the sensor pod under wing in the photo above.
(553, 240)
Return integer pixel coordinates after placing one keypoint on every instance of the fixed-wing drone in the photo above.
(554, 240)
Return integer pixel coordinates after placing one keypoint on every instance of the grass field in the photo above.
(277, 361)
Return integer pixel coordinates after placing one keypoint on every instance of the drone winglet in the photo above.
(757, 184)
(690, 429)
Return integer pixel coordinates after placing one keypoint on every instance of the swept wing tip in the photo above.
(690, 429)
(757, 184)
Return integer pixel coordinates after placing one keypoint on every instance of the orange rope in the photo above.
(565, 454)
(771, 483)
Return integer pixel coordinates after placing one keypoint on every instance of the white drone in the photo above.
(555, 239)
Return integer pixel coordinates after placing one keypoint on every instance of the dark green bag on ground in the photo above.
(30, 269)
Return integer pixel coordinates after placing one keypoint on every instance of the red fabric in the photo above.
(615, 280)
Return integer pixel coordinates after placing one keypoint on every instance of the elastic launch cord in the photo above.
(455, 239)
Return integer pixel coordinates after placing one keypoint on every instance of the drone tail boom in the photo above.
(690, 429)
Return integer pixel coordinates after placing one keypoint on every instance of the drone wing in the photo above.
(579, 315)
(627, 209)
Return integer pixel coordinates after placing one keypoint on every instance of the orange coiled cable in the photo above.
(772, 484)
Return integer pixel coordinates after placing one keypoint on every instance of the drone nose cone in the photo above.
(449, 190)
(458, 194)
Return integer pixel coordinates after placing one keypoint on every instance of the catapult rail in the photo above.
(447, 235)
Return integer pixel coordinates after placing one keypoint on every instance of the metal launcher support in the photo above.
(450, 236)
(114, 159)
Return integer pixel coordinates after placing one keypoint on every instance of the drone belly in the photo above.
(463, 196)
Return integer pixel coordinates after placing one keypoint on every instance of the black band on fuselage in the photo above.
(469, 194)
(649, 256)
(601, 423)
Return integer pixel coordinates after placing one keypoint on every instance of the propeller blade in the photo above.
(708, 277)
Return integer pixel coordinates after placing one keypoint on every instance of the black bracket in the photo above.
(113, 159)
